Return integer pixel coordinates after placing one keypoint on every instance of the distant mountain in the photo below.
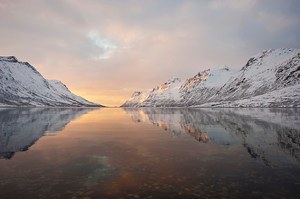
(268, 79)
(165, 94)
(22, 85)
(136, 99)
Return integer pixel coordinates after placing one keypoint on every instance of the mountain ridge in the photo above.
(270, 78)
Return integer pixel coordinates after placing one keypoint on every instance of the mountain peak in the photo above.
(210, 77)
(173, 80)
(136, 93)
(271, 56)
(22, 85)
(8, 58)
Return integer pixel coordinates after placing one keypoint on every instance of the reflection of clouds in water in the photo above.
(103, 169)
(271, 136)
(22, 127)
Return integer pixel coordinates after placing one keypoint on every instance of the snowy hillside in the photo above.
(164, 95)
(206, 83)
(22, 85)
(136, 99)
(268, 79)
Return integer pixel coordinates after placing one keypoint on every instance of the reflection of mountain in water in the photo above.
(269, 135)
(21, 128)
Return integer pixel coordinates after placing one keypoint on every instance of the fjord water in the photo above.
(149, 153)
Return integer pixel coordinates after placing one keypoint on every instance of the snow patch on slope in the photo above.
(164, 95)
(286, 97)
(136, 99)
(204, 85)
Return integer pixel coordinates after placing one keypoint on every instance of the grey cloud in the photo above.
(156, 39)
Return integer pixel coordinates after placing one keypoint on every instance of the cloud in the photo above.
(110, 44)
(105, 46)
(233, 4)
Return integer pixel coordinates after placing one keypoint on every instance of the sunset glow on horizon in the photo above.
(109, 99)
(105, 50)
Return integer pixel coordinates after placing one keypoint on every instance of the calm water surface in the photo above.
(149, 153)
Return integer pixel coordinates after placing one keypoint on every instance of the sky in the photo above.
(103, 50)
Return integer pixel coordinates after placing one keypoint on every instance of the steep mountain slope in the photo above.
(22, 85)
(164, 95)
(269, 79)
(204, 85)
(136, 99)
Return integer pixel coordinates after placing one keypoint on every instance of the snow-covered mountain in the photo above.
(200, 88)
(22, 85)
(165, 94)
(136, 99)
(268, 79)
